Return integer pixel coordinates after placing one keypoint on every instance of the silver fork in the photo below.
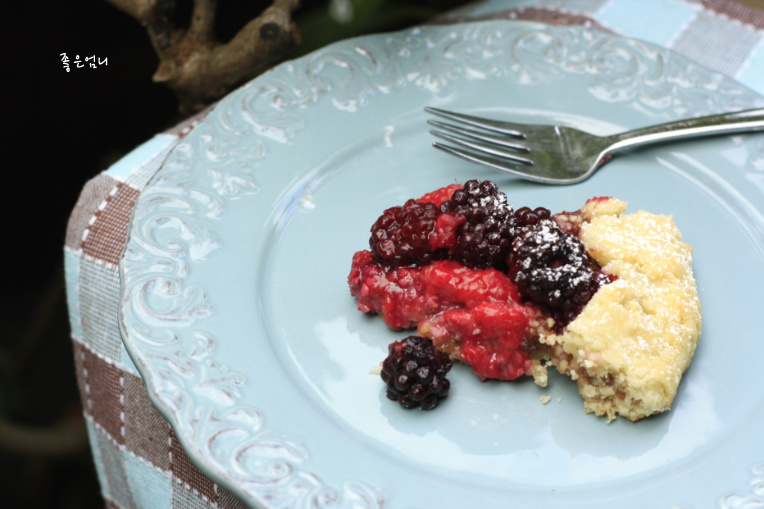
(556, 154)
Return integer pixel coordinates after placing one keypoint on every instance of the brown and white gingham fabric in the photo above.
(139, 460)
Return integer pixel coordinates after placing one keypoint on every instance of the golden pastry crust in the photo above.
(632, 342)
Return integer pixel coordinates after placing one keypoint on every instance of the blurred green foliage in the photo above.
(327, 21)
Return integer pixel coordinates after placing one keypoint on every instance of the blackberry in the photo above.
(553, 269)
(566, 313)
(527, 217)
(415, 373)
(484, 239)
(400, 236)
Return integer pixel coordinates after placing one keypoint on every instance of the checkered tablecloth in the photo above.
(139, 460)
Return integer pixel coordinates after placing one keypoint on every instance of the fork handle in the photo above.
(724, 123)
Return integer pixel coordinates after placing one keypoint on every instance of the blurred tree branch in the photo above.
(197, 67)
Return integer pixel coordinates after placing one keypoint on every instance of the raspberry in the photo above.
(415, 373)
(440, 195)
(400, 236)
(485, 237)
(552, 268)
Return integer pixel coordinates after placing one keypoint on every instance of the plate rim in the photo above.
(128, 339)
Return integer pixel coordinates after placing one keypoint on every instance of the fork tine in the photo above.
(491, 125)
(521, 170)
(484, 148)
(489, 138)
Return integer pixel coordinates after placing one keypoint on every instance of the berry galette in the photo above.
(606, 297)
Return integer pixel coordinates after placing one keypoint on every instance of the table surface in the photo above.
(139, 460)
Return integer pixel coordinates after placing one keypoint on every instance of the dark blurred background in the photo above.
(60, 129)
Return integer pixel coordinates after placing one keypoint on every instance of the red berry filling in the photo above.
(473, 275)
(472, 314)
(489, 337)
(393, 292)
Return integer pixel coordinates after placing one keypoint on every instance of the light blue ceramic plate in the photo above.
(236, 310)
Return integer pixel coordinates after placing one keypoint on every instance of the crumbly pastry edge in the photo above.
(612, 388)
